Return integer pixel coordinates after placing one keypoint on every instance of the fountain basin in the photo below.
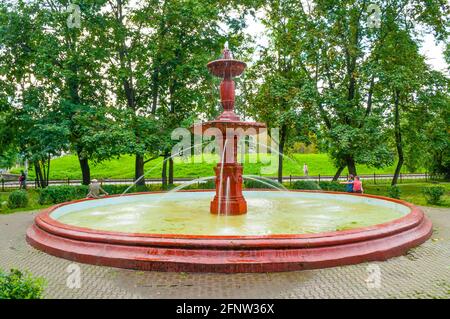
(280, 232)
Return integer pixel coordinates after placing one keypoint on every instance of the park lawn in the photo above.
(411, 191)
(196, 166)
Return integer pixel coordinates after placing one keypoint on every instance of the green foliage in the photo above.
(60, 194)
(18, 199)
(210, 184)
(332, 186)
(433, 194)
(120, 189)
(266, 183)
(307, 185)
(18, 285)
(394, 192)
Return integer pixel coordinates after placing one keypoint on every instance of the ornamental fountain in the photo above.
(266, 231)
(228, 198)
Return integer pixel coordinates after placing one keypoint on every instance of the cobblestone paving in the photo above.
(422, 273)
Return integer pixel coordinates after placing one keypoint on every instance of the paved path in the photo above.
(423, 273)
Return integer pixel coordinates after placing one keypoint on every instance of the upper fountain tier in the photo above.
(227, 68)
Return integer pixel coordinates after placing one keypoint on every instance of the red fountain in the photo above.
(192, 252)
(228, 199)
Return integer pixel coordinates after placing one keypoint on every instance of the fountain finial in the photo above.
(226, 51)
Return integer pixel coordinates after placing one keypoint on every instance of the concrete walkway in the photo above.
(423, 273)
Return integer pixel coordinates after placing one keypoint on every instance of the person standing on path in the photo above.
(305, 169)
(23, 180)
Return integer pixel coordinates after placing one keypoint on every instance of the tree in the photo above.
(159, 51)
(339, 54)
(274, 82)
(69, 60)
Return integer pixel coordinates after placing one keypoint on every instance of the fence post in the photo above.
(319, 178)
(374, 178)
(198, 181)
(3, 185)
(290, 180)
(68, 181)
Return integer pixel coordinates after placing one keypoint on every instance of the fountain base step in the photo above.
(230, 254)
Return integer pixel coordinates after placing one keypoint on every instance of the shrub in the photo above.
(209, 184)
(18, 285)
(308, 185)
(433, 194)
(266, 183)
(332, 186)
(394, 192)
(3, 206)
(18, 199)
(119, 189)
(60, 194)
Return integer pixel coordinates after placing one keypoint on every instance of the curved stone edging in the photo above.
(269, 253)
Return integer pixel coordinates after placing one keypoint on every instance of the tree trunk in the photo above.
(351, 165)
(170, 171)
(37, 169)
(155, 83)
(281, 144)
(164, 172)
(48, 171)
(85, 170)
(139, 170)
(398, 139)
(338, 173)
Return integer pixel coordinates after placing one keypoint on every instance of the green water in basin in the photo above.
(269, 212)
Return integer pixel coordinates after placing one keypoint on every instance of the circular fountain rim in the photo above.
(44, 220)
(203, 253)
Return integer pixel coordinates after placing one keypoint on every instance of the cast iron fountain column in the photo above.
(228, 198)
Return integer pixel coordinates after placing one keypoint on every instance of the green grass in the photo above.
(33, 203)
(410, 191)
(68, 167)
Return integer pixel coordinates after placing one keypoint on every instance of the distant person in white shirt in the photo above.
(95, 189)
(305, 169)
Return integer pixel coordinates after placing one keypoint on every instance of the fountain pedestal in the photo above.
(229, 199)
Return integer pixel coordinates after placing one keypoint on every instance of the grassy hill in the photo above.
(123, 167)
